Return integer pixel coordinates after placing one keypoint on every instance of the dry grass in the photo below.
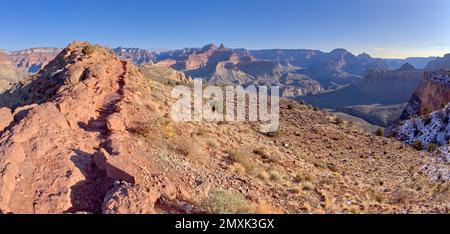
(244, 159)
(193, 148)
(221, 201)
(307, 186)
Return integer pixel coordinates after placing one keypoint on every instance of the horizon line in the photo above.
(233, 48)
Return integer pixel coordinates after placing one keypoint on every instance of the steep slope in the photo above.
(432, 94)
(34, 59)
(98, 138)
(425, 122)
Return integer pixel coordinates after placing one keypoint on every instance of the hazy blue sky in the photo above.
(383, 28)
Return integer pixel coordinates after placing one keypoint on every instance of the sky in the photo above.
(382, 28)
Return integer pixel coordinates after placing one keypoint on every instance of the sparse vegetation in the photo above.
(263, 175)
(143, 129)
(88, 50)
(332, 167)
(379, 198)
(380, 132)
(431, 147)
(192, 148)
(418, 145)
(260, 151)
(427, 119)
(274, 134)
(291, 106)
(227, 202)
(307, 186)
(275, 175)
(243, 159)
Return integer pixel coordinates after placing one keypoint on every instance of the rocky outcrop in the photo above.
(164, 74)
(433, 94)
(431, 128)
(6, 118)
(425, 123)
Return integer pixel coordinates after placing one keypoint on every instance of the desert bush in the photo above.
(221, 201)
(274, 134)
(243, 159)
(260, 151)
(291, 106)
(143, 129)
(275, 176)
(332, 167)
(88, 50)
(298, 179)
(431, 147)
(418, 145)
(263, 175)
(379, 198)
(338, 121)
(380, 132)
(296, 189)
(427, 119)
(307, 186)
(193, 149)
